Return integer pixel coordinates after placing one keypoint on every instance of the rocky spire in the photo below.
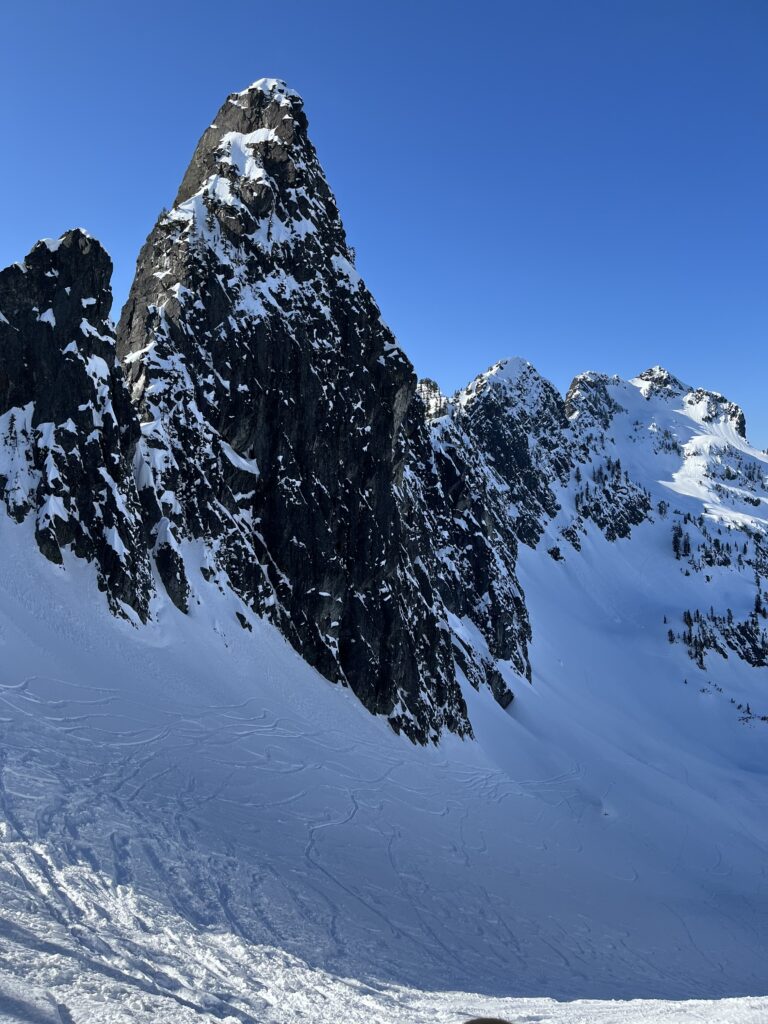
(67, 427)
(517, 419)
(271, 441)
(279, 420)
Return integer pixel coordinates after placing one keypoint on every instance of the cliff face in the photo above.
(280, 425)
(67, 427)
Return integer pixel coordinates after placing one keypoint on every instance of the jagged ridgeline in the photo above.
(273, 442)
(68, 431)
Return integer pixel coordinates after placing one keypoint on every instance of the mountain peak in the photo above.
(701, 403)
(270, 87)
(509, 368)
(77, 236)
(658, 381)
(74, 260)
(589, 401)
(259, 363)
(511, 371)
(67, 429)
(253, 131)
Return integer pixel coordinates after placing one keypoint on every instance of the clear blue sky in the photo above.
(580, 182)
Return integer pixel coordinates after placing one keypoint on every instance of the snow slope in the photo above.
(186, 836)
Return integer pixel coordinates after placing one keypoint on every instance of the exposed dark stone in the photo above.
(517, 420)
(541, 451)
(281, 424)
(68, 430)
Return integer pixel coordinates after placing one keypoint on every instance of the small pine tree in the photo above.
(677, 533)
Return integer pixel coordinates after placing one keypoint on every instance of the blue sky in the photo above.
(580, 182)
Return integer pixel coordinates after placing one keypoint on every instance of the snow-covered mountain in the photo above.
(651, 459)
(555, 609)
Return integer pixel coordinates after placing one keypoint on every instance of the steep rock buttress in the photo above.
(280, 424)
(68, 430)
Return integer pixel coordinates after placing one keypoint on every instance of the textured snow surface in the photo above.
(197, 826)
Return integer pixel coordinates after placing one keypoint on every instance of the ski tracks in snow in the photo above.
(174, 862)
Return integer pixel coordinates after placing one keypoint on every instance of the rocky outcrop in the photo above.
(707, 406)
(551, 459)
(603, 492)
(280, 424)
(476, 548)
(590, 407)
(435, 402)
(67, 427)
(517, 420)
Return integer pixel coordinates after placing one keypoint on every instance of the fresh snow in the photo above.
(234, 145)
(247, 465)
(270, 86)
(53, 244)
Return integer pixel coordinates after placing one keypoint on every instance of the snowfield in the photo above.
(196, 826)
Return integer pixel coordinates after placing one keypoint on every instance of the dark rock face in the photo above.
(590, 408)
(469, 512)
(660, 382)
(280, 424)
(604, 493)
(549, 459)
(476, 556)
(67, 427)
(518, 421)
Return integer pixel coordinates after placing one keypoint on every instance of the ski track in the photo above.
(176, 860)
